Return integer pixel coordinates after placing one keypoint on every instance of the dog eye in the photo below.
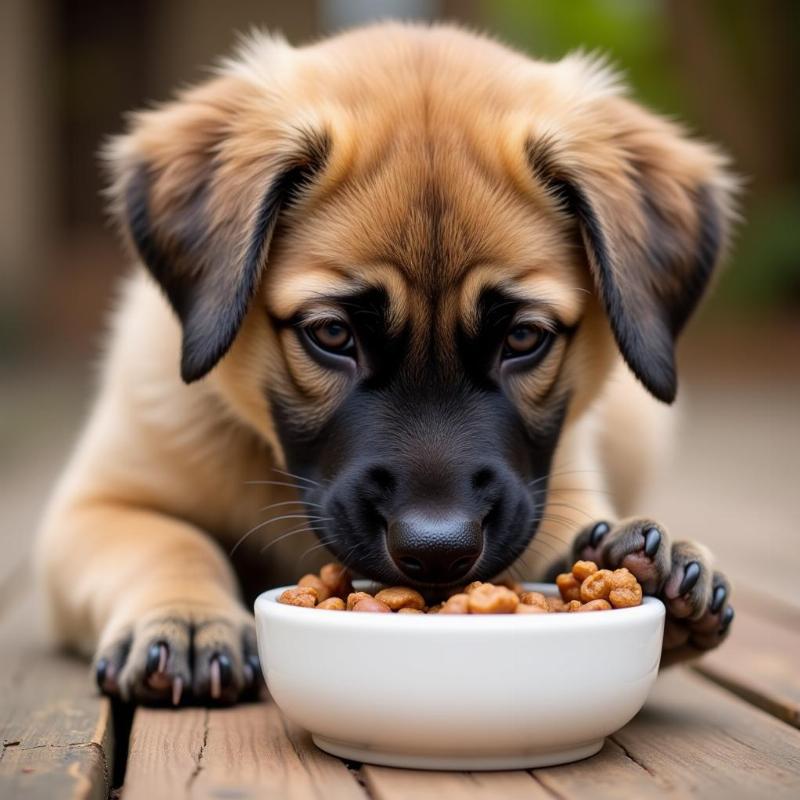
(332, 336)
(525, 340)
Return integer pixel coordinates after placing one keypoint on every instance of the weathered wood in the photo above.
(245, 751)
(56, 732)
(385, 783)
(692, 740)
(697, 740)
(761, 661)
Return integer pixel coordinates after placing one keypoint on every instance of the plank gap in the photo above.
(776, 705)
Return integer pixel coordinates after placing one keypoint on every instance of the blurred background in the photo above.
(729, 68)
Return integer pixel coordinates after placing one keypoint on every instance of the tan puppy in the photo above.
(426, 291)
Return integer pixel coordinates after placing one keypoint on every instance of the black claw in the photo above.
(154, 657)
(598, 532)
(100, 671)
(255, 664)
(652, 541)
(225, 668)
(690, 575)
(727, 618)
(720, 593)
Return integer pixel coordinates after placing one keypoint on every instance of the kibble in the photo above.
(332, 604)
(305, 596)
(490, 599)
(583, 588)
(397, 597)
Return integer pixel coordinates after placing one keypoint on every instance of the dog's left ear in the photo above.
(654, 211)
(197, 188)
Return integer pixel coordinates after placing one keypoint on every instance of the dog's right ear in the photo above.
(198, 197)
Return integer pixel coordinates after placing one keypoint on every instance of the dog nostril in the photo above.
(461, 566)
(381, 478)
(410, 565)
(482, 478)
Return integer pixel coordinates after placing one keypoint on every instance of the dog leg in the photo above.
(680, 574)
(154, 598)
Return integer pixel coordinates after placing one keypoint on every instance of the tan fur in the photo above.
(157, 491)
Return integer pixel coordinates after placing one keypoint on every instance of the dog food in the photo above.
(584, 588)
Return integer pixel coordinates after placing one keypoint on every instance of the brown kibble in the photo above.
(489, 599)
(594, 605)
(626, 596)
(583, 569)
(304, 596)
(527, 608)
(533, 599)
(333, 604)
(354, 597)
(323, 593)
(457, 604)
(338, 580)
(623, 578)
(397, 597)
(584, 588)
(371, 604)
(555, 604)
(569, 587)
(597, 586)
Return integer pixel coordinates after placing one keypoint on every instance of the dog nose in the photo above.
(434, 548)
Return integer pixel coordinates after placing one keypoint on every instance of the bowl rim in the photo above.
(267, 605)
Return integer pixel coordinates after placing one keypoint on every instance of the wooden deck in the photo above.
(727, 727)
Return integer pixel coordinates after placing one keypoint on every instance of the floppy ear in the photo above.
(653, 208)
(198, 196)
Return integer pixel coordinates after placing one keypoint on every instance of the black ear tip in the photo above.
(193, 365)
(660, 380)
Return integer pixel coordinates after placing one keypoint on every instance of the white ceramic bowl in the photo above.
(459, 692)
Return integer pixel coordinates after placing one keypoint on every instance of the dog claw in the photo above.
(255, 665)
(100, 672)
(727, 618)
(691, 573)
(720, 594)
(652, 541)
(157, 657)
(177, 690)
(598, 532)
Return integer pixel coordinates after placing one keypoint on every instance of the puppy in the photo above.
(404, 289)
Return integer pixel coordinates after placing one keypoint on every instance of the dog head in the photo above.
(408, 257)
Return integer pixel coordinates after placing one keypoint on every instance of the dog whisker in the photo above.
(570, 506)
(297, 477)
(270, 521)
(295, 532)
(277, 483)
(290, 503)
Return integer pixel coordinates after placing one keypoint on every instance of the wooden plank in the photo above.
(248, 751)
(386, 783)
(692, 740)
(697, 740)
(56, 732)
(760, 662)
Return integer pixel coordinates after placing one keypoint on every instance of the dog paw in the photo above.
(679, 574)
(181, 655)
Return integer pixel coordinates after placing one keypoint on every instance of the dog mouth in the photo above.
(371, 558)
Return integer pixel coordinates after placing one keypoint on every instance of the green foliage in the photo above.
(639, 38)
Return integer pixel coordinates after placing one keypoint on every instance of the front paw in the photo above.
(173, 654)
(679, 574)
